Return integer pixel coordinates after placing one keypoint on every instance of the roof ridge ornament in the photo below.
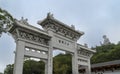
(86, 45)
(24, 21)
(73, 27)
(49, 15)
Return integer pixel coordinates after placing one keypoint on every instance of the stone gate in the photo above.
(34, 42)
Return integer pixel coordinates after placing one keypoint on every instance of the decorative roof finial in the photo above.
(85, 45)
(23, 21)
(73, 27)
(49, 15)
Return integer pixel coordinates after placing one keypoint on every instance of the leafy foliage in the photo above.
(62, 64)
(6, 21)
(4, 15)
(106, 53)
(9, 69)
(33, 67)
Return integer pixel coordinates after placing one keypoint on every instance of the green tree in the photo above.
(6, 21)
(33, 67)
(8, 69)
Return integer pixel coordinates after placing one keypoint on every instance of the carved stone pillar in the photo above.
(88, 68)
(50, 55)
(75, 62)
(50, 61)
(74, 65)
(46, 66)
(19, 57)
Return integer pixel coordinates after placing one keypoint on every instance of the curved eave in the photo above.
(85, 48)
(28, 27)
(61, 23)
(88, 49)
(115, 62)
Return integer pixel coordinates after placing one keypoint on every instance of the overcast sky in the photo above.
(94, 17)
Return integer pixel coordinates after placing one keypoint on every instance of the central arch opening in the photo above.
(62, 62)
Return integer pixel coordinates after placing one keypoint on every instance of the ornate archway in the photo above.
(34, 42)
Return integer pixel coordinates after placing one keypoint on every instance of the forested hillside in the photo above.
(106, 53)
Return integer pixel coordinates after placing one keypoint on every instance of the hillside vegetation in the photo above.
(106, 53)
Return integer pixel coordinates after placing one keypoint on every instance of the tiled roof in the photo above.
(106, 63)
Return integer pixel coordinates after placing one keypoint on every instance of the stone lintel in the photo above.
(80, 47)
(84, 51)
(28, 32)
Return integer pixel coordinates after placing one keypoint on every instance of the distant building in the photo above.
(111, 67)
